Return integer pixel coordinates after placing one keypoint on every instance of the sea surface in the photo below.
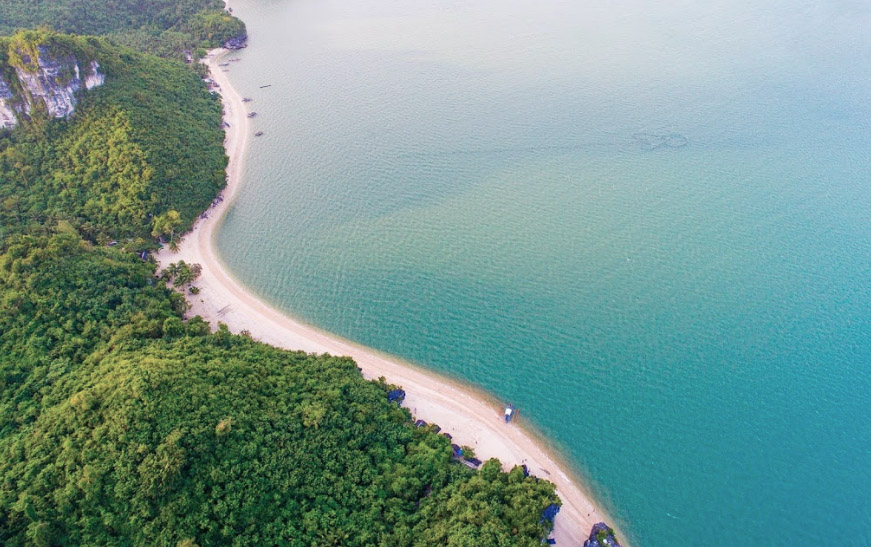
(646, 224)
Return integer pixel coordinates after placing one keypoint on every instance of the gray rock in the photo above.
(601, 536)
(54, 84)
(7, 114)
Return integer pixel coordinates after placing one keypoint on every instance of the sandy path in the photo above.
(469, 416)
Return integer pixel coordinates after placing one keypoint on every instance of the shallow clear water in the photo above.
(645, 226)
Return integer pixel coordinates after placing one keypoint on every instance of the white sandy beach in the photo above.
(469, 416)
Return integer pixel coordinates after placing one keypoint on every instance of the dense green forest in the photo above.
(144, 144)
(123, 422)
(163, 27)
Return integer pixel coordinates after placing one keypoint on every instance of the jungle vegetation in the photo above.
(122, 422)
(162, 27)
(142, 154)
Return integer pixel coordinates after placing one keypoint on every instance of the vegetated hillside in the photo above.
(162, 27)
(144, 144)
(122, 423)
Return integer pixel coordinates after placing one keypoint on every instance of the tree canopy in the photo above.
(123, 422)
(162, 27)
(142, 153)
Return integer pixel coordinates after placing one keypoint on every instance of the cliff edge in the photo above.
(41, 72)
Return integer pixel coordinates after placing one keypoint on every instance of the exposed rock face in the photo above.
(94, 78)
(236, 43)
(601, 536)
(7, 115)
(54, 83)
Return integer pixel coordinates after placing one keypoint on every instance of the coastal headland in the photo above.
(470, 416)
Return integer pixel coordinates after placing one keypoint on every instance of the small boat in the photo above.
(509, 412)
(247, 100)
(252, 114)
(265, 86)
(258, 134)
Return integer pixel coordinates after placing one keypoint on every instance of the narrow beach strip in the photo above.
(469, 416)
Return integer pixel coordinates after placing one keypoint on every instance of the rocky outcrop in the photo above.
(51, 82)
(7, 115)
(601, 536)
(94, 78)
(236, 43)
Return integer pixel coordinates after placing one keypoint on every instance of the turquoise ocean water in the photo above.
(647, 226)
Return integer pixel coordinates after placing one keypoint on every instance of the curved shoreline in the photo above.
(469, 415)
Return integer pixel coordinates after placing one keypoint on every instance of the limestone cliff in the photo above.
(7, 115)
(43, 78)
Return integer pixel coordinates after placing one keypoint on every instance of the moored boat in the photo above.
(509, 412)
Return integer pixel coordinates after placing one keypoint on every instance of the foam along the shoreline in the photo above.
(467, 415)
